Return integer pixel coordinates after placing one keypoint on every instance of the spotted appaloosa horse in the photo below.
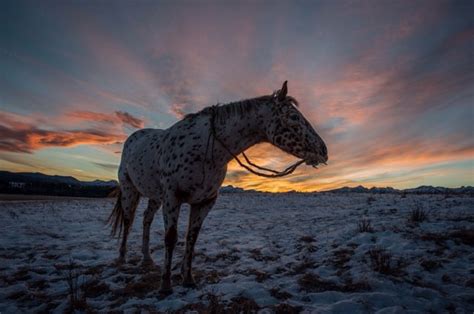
(187, 163)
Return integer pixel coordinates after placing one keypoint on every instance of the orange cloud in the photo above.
(114, 118)
(130, 120)
(17, 134)
(180, 110)
(352, 166)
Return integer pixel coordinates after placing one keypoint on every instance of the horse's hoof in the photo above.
(119, 261)
(147, 263)
(189, 284)
(165, 291)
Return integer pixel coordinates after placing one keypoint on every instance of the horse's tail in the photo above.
(117, 216)
(116, 219)
(115, 192)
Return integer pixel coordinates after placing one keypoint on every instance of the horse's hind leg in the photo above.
(153, 206)
(130, 198)
(171, 207)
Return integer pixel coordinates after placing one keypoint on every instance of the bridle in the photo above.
(274, 173)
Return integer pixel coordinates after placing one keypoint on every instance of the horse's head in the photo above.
(290, 131)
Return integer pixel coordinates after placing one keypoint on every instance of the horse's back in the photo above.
(138, 139)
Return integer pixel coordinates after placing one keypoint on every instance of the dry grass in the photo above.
(460, 236)
(430, 265)
(287, 309)
(257, 255)
(307, 239)
(340, 259)
(260, 276)
(303, 266)
(142, 286)
(418, 214)
(306, 243)
(208, 277)
(215, 305)
(224, 256)
(370, 200)
(77, 299)
(313, 283)
(383, 262)
(95, 288)
(465, 236)
(279, 294)
(365, 226)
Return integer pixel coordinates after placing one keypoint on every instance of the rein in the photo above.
(275, 174)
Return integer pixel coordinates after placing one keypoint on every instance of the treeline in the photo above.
(56, 189)
(41, 184)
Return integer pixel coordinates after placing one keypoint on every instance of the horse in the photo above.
(187, 163)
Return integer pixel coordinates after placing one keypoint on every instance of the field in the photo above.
(323, 252)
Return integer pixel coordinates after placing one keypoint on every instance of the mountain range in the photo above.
(424, 189)
(30, 183)
(37, 177)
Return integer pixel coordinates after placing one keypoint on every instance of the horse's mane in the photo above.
(241, 107)
(225, 111)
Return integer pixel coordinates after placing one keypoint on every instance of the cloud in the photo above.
(22, 137)
(107, 166)
(91, 116)
(130, 120)
(118, 117)
(180, 110)
(386, 85)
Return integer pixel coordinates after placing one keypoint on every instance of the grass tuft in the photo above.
(383, 262)
(418, 214)
(365, 226)
(77, 300)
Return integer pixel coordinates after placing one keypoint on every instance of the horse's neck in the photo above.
(240, 132)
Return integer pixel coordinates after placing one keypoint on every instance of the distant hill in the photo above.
(43, 184)
(469, 190)
(419, 190)
(234, 189)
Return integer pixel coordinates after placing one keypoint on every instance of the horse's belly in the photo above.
(200, 188)
(145, 178)
(149, 188)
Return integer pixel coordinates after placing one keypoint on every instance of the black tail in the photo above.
(117, 218)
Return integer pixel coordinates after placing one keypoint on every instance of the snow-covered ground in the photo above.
(256, 252)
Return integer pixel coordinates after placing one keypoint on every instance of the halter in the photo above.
(275, 174)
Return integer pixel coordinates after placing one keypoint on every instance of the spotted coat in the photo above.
(185, 164)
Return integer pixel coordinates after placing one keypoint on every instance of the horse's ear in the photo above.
(283, 91)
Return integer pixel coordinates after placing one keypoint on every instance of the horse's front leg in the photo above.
(170, 219)
(197, 214)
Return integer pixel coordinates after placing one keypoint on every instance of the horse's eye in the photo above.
(294, 117)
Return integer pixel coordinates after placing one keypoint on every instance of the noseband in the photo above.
(274, 173)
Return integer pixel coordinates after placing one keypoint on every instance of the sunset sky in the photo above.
(387, 84)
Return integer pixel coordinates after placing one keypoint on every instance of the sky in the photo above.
(388, 85)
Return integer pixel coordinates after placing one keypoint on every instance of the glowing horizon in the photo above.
(388, 86)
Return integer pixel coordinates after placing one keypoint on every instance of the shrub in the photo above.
(418, 215)
(370, 200)
(365, 226)
(77, 300)
(383, 262)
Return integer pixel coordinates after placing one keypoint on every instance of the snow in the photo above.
(302, 250)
